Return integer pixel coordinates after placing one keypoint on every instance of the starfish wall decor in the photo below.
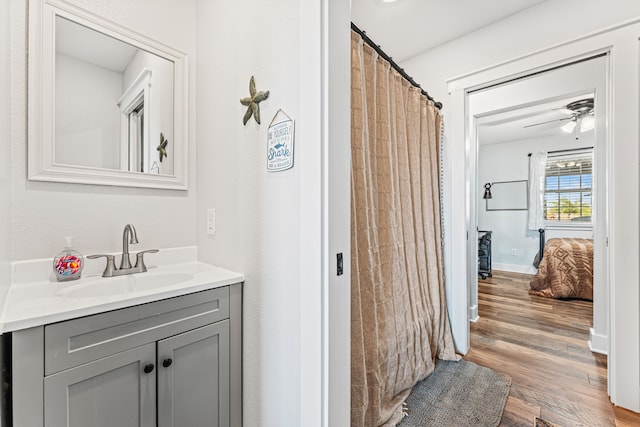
(252, 101)
(162, 148)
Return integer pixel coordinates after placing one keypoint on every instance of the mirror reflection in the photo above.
(113, 103)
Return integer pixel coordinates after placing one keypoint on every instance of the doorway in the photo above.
(531, 100)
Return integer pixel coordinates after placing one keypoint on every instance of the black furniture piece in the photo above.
(484, 254)
(538, 257)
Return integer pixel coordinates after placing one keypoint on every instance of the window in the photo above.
(568, 182)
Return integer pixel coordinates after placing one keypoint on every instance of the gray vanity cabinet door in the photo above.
(193, 378)
(113, 391)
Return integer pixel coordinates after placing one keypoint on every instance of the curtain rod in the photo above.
(565, 151)
(395, 66)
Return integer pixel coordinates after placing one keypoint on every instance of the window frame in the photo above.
(564, 224)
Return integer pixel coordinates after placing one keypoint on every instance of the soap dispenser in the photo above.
(68, 264)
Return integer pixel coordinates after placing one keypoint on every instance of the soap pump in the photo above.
(68, 264)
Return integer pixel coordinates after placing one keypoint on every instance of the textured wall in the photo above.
(257, 213)
(5, 159)
(44, 212)
(270, 225)
(539, 27)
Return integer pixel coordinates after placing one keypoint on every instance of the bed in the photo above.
(565, 270)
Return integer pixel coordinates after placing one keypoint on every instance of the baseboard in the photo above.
(473, 314)
(514, 268)
(598, 343)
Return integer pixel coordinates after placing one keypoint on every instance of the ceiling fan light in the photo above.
(569, 126)
(586, 124)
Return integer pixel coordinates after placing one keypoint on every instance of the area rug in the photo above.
(539, 422)
(458, 394)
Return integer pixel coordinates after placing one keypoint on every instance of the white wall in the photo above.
(539, 27)
(271, 226)
(87, 115)
(6, 132)
(257, 213)
(44, 212)
(508, 161)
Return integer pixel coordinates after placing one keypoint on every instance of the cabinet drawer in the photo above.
(74, 342)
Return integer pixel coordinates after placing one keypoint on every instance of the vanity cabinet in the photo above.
(189, 395)
(169, 363)
(113, 391)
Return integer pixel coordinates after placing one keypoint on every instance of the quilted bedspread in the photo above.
(566, 270)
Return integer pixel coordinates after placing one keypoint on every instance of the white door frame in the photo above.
(324, 168)
(621, 42)
(576, 78)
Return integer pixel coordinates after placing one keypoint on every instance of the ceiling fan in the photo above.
(580, 116)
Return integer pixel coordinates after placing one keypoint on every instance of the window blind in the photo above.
(568, 187)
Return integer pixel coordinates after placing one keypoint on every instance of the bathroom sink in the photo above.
(133, 283)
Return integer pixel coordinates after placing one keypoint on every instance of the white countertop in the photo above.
(32, 303)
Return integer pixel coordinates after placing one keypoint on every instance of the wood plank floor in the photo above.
(541, 343)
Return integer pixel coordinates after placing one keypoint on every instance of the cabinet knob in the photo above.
(167, 362)
(148, 368)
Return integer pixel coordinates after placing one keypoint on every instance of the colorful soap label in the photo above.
(68, 265)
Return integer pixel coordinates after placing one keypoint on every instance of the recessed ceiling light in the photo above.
(388, 2)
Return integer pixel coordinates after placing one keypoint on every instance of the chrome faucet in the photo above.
(129, 235)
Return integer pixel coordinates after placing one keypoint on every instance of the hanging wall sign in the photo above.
(280, 142)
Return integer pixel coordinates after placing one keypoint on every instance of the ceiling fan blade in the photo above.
(548, 121)
(564, 110)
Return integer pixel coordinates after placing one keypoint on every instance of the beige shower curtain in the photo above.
(398, 309)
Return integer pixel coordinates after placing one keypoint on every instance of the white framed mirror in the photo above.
(107, 105)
